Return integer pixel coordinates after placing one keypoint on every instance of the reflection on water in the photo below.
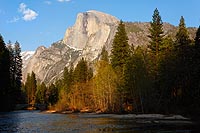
(34, 121)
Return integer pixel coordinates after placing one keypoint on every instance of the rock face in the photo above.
(86, 38)
(91, 31)
(26, 56)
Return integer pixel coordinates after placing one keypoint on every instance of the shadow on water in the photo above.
(9, 122)
(35, 121)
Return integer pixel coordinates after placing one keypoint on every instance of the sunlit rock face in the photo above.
(91, 31)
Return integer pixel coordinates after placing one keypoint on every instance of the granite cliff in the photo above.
(91, 31)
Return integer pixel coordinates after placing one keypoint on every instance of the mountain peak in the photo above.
(88, 24)
(103, 16)
(91, 31)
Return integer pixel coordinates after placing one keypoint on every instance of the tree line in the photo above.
(163, 77)
(11, 75)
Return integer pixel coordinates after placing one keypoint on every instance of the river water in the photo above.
(36, 122)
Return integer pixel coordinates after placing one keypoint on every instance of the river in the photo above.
(38, 122)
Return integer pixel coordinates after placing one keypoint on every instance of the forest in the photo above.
(163, 77)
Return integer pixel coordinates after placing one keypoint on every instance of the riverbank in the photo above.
(49, 121)
(155, 119)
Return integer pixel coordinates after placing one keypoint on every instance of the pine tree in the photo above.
(136, 80)
(156, 34)
(18, 65)
(197, 38)
(71, 74)
(183, 67)
(120, 53)
(31, 86)
(182, 36)
(12, 63)
(104, 54)
(41, 93)
(6, 95)
(156, 48)
(15, 69)
(52, 94)
(66, 79)
(81, 71)
(120, 56)
(195, 92)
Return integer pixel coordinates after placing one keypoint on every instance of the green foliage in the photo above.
(31, 86)
(137, 81)
(41, 93)
(197, 38)
(163, 78)
(120, 53)
(182, 36)
(81, 71)
(18, 65)
(66, 79)
(156, 33)
(6, 99)
(104, 54)
(105, 92)
(11, 69)
(168, 43)
(52, 94)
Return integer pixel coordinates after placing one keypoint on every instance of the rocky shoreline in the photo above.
(152, 119)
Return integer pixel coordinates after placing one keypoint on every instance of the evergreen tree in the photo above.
(156, 33)
(156, 40)
(182, 36)
(137, 82)
(104, 54)
(197, 38)
(66, 78)
(27, 88)
(120, 56)
(41, 93)
(12, 63)
(180, 69)
(155, 55)
(52, 94)
(18, 65)
(6, 95)
(81, 71)
(31, 86)
(15, 69)
(71, 74)
(195, 92)
(120, 53)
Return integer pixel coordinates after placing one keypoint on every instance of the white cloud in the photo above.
(28, 14)
(14, 20)
(63, 0)
(48, 2)
(22, 7)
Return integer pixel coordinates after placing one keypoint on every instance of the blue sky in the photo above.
(41, 22)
